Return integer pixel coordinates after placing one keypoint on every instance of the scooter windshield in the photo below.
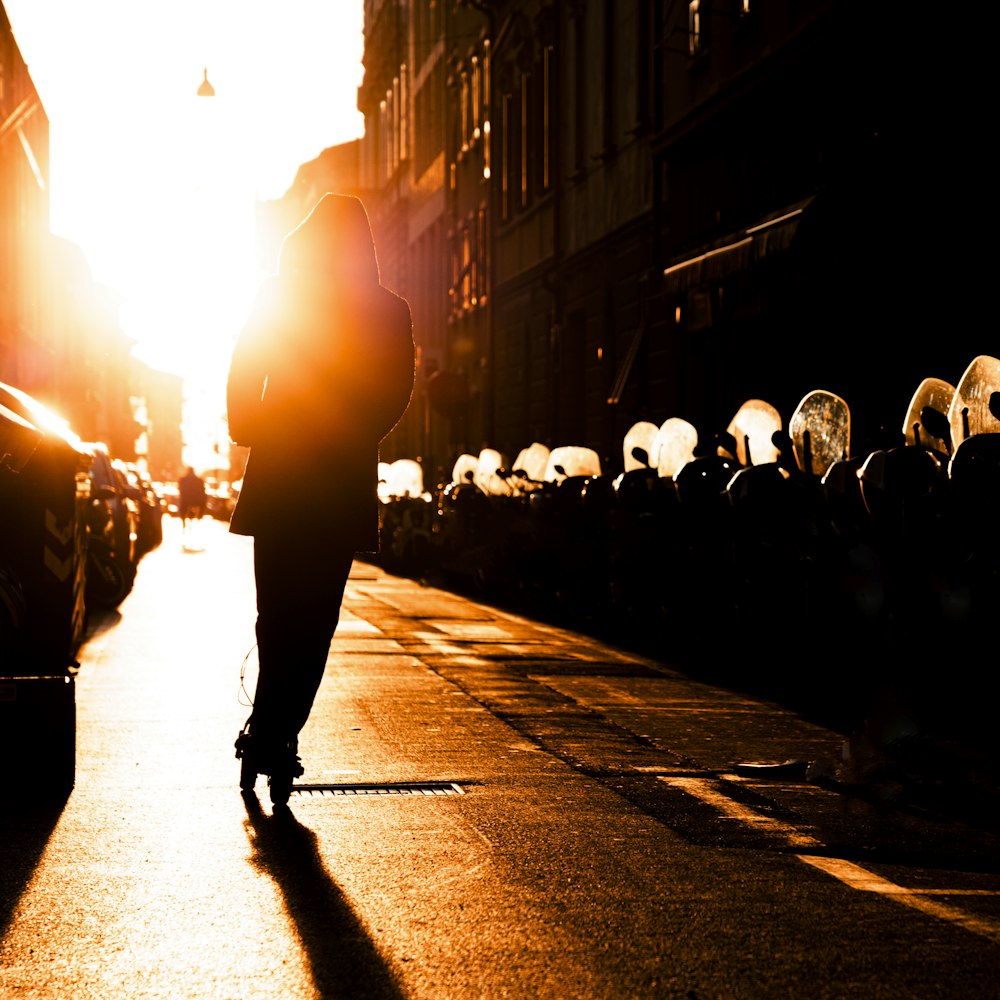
(753, 427)
(639, 435)
(533, 461)
(572, 460)
(826, 418)
(464, 469)
(936, 394)
(969, 413)
(405, 478)
(488, 479)
(673, 447)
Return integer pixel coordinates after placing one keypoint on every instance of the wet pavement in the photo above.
(491, 807)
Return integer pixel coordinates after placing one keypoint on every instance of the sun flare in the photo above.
(158, 185)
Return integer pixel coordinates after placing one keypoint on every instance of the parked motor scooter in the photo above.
(569, 517)
(929, 715)
(641, 523)
(407, 518)
(107, 583)
(698, 601)
(974, 481)
(779, 530)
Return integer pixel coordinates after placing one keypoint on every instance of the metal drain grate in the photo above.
(383, 788)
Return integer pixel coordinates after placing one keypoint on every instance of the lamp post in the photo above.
(205, 89)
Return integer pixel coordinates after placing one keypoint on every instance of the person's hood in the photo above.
(333, 241)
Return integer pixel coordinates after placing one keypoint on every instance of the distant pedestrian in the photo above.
(321, 372)
(192, 497)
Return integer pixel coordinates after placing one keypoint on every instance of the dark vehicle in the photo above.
(151, 509)
(107, 584)
(44, 491)
(170, 496)
(219, 499)
(112, 532)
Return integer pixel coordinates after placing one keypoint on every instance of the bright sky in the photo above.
(157, 185)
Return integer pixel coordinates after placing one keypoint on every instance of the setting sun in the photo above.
(157, 184)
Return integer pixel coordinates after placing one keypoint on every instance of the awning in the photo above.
(737, 252)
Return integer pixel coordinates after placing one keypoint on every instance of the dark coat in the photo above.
(321, 372)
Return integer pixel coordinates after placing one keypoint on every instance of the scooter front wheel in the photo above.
(248, 775)
(106, 583)
(281, 788)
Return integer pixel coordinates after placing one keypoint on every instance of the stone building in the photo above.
(60, 336)
(24, 220)
(605, 212)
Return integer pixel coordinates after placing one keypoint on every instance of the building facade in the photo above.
(61, 339)
(24, 220)
(605, 212)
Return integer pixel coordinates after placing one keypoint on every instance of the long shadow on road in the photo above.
(343, 960)
(24, 835)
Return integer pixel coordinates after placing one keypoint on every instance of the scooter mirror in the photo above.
(820, 430)
(970, 412)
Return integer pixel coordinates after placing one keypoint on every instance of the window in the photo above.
(464, 101)
(610, 80)
(546, 117)
(694, 27)
(394, 97)
(485, 113)
(427, 140)
(505, 126)
(384, 153)
(579, 93)
(486, 74)
(456, 275)
(404, 114)
(467, 271)
(477, 107)
(483, 257)
(525, 136)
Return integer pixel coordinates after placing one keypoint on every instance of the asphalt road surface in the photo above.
(492, 808)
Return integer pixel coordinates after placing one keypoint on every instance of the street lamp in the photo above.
(205, 89)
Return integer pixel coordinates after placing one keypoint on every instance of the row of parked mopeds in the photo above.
(74, 524)
(769, 554)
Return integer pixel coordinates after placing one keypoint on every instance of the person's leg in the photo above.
(299, 593)
(321, 612)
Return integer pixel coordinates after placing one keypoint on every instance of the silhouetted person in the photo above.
(321, 372)
(191, 496)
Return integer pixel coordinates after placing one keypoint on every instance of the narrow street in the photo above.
(491, 808)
